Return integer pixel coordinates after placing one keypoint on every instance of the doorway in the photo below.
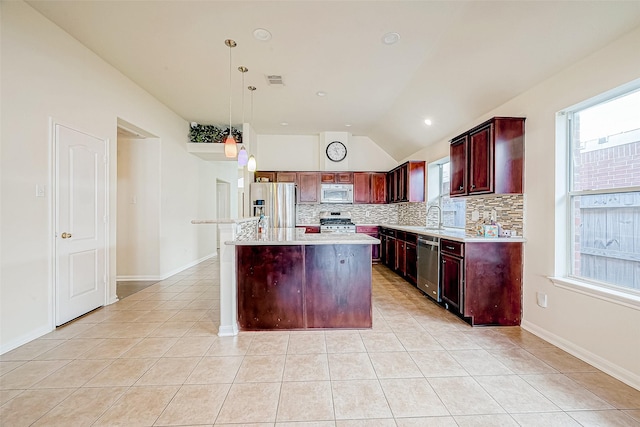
(223, 202)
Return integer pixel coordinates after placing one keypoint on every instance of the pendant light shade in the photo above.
(243, 157)
(251, 164)
(230, 149)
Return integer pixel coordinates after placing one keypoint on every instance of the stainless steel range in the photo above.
(336, 222)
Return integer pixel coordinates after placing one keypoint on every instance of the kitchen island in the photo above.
(290, 280)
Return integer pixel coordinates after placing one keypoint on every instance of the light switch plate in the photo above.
(541, 299)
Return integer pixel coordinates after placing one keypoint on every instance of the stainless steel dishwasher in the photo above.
(429, 266)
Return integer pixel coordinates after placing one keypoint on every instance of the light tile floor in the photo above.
(154, 358)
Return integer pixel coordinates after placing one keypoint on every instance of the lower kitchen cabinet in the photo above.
(371, 230)
(400, 253)
(482, 281)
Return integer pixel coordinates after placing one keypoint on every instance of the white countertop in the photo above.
(289, 236)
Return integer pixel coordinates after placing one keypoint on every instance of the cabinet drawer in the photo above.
(388, 232)
(411, 238)
(312, 229)
(373, 229)
(401, 235)
(452, 247)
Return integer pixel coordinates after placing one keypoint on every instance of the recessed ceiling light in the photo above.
(321, 93)
(262, 34)
(391, 38)
(348, 125)
(284, 124)
(427, 122)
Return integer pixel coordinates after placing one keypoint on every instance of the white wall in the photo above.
(301, 153)
(604, 333)
(47, 74)
(138, 204)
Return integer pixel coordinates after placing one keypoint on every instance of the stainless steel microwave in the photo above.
(336, 193)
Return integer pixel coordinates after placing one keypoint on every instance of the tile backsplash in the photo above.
(508, 208)
(360, 214)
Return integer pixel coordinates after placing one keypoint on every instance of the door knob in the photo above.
(66, 235)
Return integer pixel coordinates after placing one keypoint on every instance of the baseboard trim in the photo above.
(142, 278)
(618, 372)
(228, 330)
(11, 345)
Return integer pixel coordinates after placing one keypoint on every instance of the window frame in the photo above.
(564, 243)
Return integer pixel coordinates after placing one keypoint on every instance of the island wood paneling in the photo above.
(338, 286)
(270, 284)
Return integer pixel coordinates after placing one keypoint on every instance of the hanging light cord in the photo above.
(230, 67)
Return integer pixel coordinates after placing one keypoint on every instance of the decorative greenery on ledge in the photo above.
(212, 133)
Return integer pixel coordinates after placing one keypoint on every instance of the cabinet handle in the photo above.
(473, 186)
(449, 247)
(460, 188)
(444, 262)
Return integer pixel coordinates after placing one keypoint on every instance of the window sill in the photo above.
(593, 290)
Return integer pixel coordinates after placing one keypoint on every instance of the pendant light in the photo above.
(243, 156)
(251, 162)
(230, 149)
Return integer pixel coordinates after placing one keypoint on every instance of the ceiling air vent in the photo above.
(275, 79)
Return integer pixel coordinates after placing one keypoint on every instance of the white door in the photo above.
(81, 223)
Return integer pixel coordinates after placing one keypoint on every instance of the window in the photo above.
(604, 193)
(453, 210)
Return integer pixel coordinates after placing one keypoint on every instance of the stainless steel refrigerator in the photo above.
(277, 200)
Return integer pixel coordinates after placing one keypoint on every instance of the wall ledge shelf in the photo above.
(211, 151)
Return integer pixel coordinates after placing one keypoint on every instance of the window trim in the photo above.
(562, 277)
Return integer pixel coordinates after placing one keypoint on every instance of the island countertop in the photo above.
(289, 236)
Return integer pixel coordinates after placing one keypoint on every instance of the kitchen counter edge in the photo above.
(452, 235)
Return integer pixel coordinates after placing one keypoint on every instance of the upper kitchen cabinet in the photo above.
(308, 187)
(265, 176)
(286, 176)
(369, 187)
(489, 158)
(406, 182)
(336, 177)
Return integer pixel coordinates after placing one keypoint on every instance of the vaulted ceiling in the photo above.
(454, 61)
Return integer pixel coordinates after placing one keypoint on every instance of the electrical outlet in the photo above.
(541, 299)
(475, 215)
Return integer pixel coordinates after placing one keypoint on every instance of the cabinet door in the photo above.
(308, 187)
(411, 260)
(378, 193)
(361, 187)
(390, 253)
(451, 275)
(270, 296)
(383, 249)
(401, 257)
(327, 177)
(458, 167)
(402, 174)
(344, 177)
(481, 161)
(270, 176)
(286, 177)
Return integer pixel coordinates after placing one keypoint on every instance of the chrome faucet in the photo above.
(440, 224)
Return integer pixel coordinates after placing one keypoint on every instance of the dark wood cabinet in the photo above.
(269, 291)
(411, 259)
(371, 230)
(336, 177)
(378, 191)
(369, 187)
(406, 183)
(286, 176)
(311, 228)
(401, 257)
(297, 287)
(482, 281)
(489, 158)
(361, 187)
(458, 166)
(308, 187)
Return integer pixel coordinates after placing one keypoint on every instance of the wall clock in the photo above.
(336, 151)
